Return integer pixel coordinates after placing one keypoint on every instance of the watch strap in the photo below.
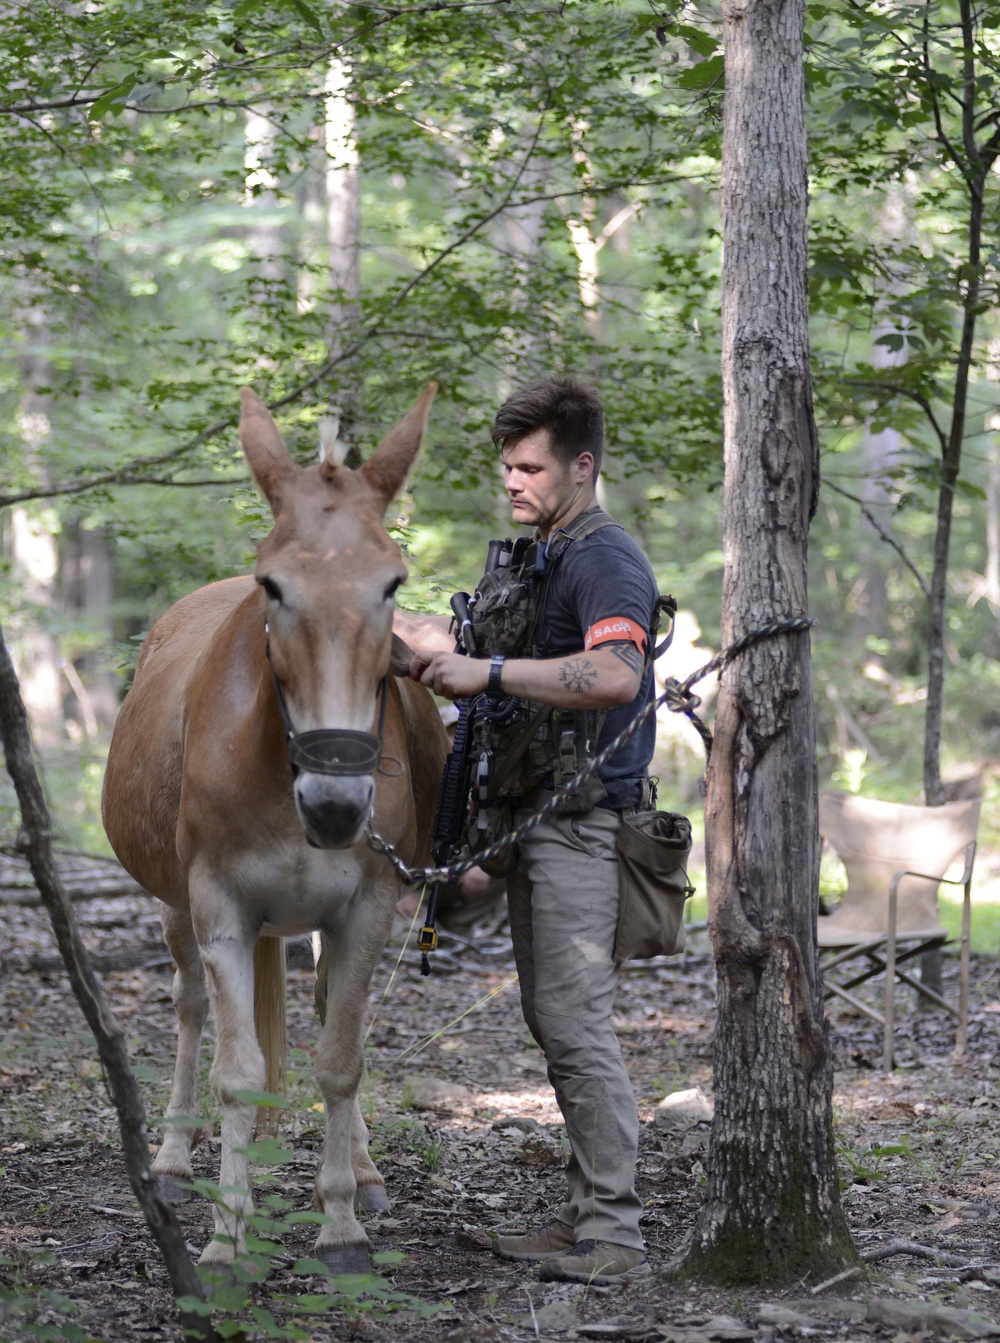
(493, 686)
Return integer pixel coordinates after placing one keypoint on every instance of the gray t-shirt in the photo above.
(596, 579)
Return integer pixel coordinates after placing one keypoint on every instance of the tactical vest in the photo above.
(519, 745)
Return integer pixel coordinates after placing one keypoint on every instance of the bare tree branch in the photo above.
(889, 540)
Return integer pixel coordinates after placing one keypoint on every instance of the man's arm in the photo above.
(600, 679)
(429, 633)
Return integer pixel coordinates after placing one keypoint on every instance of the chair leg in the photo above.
(925, 992)
(855, 1002)
(961, 1039)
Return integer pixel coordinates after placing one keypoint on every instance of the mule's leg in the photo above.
(370, 1195)
(227, 955)
(173, 1161)
(350, 957)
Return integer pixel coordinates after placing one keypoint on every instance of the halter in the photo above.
(329, 750)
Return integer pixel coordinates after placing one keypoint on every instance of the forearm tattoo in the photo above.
(578, 675)
(629, 654)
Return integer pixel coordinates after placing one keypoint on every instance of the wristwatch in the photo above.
(496, 671)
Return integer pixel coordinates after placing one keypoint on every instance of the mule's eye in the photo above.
(270, 587)
(392, 589)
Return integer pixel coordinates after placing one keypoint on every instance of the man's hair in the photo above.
(568, 407)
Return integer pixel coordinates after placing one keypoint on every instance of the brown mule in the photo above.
(203, 808)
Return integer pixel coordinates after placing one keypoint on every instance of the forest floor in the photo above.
(470, 1143)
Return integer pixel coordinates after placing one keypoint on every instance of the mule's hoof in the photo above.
(175, 1188)
(372, 1198)
(340, 1259)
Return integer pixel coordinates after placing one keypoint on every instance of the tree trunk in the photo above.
(343, 225)
(879, 451)
(975, 168)
(991, 577)
(30, 542)
(772, 1211)
(88, 591)
(263, 232)
(990, 588)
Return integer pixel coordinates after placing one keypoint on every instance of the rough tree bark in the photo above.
(159, 1214)
(772, 1211)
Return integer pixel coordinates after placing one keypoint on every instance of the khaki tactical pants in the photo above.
(563, 903)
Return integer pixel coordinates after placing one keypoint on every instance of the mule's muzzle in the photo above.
(333, 810)
(335, 751)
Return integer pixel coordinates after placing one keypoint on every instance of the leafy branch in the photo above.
(137, 472)
(886, 536)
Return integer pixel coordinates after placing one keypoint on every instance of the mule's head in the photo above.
(328, 573)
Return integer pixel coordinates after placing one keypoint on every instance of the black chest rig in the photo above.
(517, 745)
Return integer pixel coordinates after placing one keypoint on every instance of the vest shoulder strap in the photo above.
(583, 525)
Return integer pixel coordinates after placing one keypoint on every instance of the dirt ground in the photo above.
(470, 1143)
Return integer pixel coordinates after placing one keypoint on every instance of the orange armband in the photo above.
(616, 629)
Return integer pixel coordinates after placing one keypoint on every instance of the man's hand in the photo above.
(450, 674)
(423, 631)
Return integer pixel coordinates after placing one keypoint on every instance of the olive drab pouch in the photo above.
(505, 605)
(566, 741)
(653, 852)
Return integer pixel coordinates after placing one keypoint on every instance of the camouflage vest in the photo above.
(519, 745)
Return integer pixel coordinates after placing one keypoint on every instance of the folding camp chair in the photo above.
(896, 857)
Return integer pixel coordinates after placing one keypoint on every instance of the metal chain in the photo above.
(678, 698)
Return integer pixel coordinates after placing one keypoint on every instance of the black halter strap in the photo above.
(333, 750)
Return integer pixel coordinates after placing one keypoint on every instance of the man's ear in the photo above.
(583, 467)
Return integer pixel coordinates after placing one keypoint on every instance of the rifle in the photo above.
(456, 782)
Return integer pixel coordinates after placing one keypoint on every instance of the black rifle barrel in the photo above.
(466, 634)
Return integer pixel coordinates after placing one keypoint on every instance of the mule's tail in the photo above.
(270, 1020)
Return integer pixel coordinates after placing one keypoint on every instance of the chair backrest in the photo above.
(874, 840)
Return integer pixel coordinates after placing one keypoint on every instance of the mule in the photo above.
(224, 796)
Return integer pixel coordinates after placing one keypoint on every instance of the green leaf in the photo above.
(696, 38)
(310, 1268)
(265, 1100)
(114, 100)
(268, 1152)
(310, 16)
(193, 1305)
(892, 340)
(312, 1216)
(704, 75)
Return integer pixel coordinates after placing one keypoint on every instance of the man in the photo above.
(590, 652)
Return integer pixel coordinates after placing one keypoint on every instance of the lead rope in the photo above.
(677, 696)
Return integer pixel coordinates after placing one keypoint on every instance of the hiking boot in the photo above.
(548, 1242)
(598, 1262)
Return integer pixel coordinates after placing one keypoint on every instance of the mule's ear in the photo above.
(388, 467)
(264, 448)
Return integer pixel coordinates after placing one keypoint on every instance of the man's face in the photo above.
(544, 491)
